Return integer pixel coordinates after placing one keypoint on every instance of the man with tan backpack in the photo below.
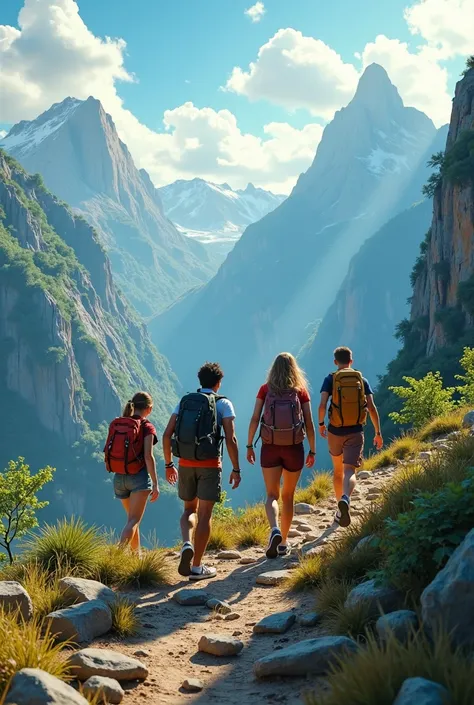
(352, 399)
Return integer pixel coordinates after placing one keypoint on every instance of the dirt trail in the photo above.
(171, 632)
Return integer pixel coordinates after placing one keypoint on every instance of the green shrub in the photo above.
(69, 542)
(424, 400)
(221, 509)
(466, 390)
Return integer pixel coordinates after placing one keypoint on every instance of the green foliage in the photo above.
(424, 399)
(434, 181)
(469, 64)
(466, 294)
(18, 501)
(69, 542)
(420, 263)
(458, 166)
(466, 390)
(221, 509)
(453, 321)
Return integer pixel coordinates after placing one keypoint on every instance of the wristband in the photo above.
(250, 446)
(311, 452)
(237, 471)
(322, 423)
(169, 465)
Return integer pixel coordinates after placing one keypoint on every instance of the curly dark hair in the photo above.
(210, 374)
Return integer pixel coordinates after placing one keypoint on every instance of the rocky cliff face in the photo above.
(449, 256)
(76, 149)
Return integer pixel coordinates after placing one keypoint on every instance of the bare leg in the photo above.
(290, 480)
(272, 478)
(350, 480)
(135, 507)
(338, 476)
(188, 520)
(203, 530)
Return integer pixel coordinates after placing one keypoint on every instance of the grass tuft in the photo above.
(349, 620)
(332, 594)
(125, 621)
(308, 574)
(251, 527)
(148, 570)
(68, 542)
(221, 535)
(401, 449)
(443, 425)
(318, 489)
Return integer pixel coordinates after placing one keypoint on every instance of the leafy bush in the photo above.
(434, 181)
(466, 390)
(424, 400)
(458, 166)
(69, 542)
(124, 617)
(432, 530)
(221, 510)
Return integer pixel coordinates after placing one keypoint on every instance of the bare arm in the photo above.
(375, 418)
(255, 420)
(151, 465)
(233, 450)
(323, 405)
(309, 425)
(171, 474)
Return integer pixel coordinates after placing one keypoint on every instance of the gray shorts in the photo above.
(203, 483)
(125, 485)
(351, 447)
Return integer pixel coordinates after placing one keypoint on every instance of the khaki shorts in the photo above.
(351, 447)
(203, 483)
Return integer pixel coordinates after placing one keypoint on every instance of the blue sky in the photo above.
(185, 51)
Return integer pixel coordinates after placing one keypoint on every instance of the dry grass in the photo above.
(148, 570)
(401, 449)
(251, 527)
(443, 425)
(331, 594)
(354, 621)
(125, 621)
(309, 573)
(374, 674)
(221, 535)
(318, 489)
(69, 542)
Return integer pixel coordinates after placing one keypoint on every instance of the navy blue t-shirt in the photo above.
(344, 430)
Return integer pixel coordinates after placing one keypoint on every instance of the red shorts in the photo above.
(288, 457)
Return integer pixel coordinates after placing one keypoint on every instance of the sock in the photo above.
(275, 530)
(187, 543)
(346, 498)
(196, 569)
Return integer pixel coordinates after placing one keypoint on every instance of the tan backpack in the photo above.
(349, 401)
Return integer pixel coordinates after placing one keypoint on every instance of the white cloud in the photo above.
(446, 25)
(2, 133)
(256, 12)
(297, 72)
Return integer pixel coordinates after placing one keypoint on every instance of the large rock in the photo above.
(364, 475)
(365, 543)
(108, 689)
(229, 555)
(13, 596)
(312, 656)
(309, 619)
(468, 420)
(376, 597)
(107, 663)
(450, 597)
(82, 590)
(275, 623)
(422, 692)
(32, 686)
(189, 597)
(401, 624)
(81, 623)
(220, 645)
(273, 577)
(303, 508)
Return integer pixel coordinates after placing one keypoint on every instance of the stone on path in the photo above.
(422, 692)
(449, 598)
(193, 685)
(232, 616)
(13, 596)
(142, 653)
(109, 689)
(188, 597)
(312, 656)
(220, 645)
(401, 624)
(219, 606)
(468, 420)
(310, 537)
(248, 560)
(303, 508)
(82, 590)
(309, 619)
(273, 577)
(32, 686)
(364, 475)
(278, 623)
(304, 528)
(376, 597)
(82, 622)
(229, 555)
(294, 533)
(108, 663)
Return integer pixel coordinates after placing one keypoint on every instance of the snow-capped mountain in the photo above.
(215, 214)
(75, 147)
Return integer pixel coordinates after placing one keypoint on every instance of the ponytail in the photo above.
(128, 409)
(139, 402)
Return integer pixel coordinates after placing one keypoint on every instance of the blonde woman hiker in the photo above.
(129, 456)
(283, 412)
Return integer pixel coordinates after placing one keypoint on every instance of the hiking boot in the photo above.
(344, 508)
(205, 572)
(187, 555)
(275, 540)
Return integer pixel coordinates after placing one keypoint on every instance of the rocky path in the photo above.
(168, 642)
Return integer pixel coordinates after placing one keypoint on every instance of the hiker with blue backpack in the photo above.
(283, 412)
(195, 433)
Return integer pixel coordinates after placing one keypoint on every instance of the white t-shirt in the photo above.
(224, 408)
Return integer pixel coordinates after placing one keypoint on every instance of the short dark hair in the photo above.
(343, 355)
(210, 374)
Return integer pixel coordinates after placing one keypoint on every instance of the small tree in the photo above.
(466, 390)
(436, 162)
(18, 501)
(424, 400)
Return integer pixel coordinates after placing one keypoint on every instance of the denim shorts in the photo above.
(124, 485)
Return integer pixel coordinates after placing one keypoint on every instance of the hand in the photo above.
(172, 475)
(251, 456)
(234, 479)
(323, 432)
(155, 493)
(310, 460)
(378, 441)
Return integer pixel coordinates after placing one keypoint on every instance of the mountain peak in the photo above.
(375, 88)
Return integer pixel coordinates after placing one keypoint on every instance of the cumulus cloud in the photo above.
(256, 12)
(446, 25)
(297, 72)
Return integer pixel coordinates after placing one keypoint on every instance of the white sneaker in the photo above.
(205, 573)
(187, 555)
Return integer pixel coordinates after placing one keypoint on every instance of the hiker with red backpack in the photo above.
(352, 400)
(128, 454)
(196, 431)
(284, 423)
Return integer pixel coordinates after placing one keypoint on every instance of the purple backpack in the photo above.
(282, 420)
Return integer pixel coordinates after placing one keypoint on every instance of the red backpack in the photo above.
(124, 447)
(282, 420)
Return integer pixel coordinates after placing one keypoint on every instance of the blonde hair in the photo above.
(285, 373)
(139, 402)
